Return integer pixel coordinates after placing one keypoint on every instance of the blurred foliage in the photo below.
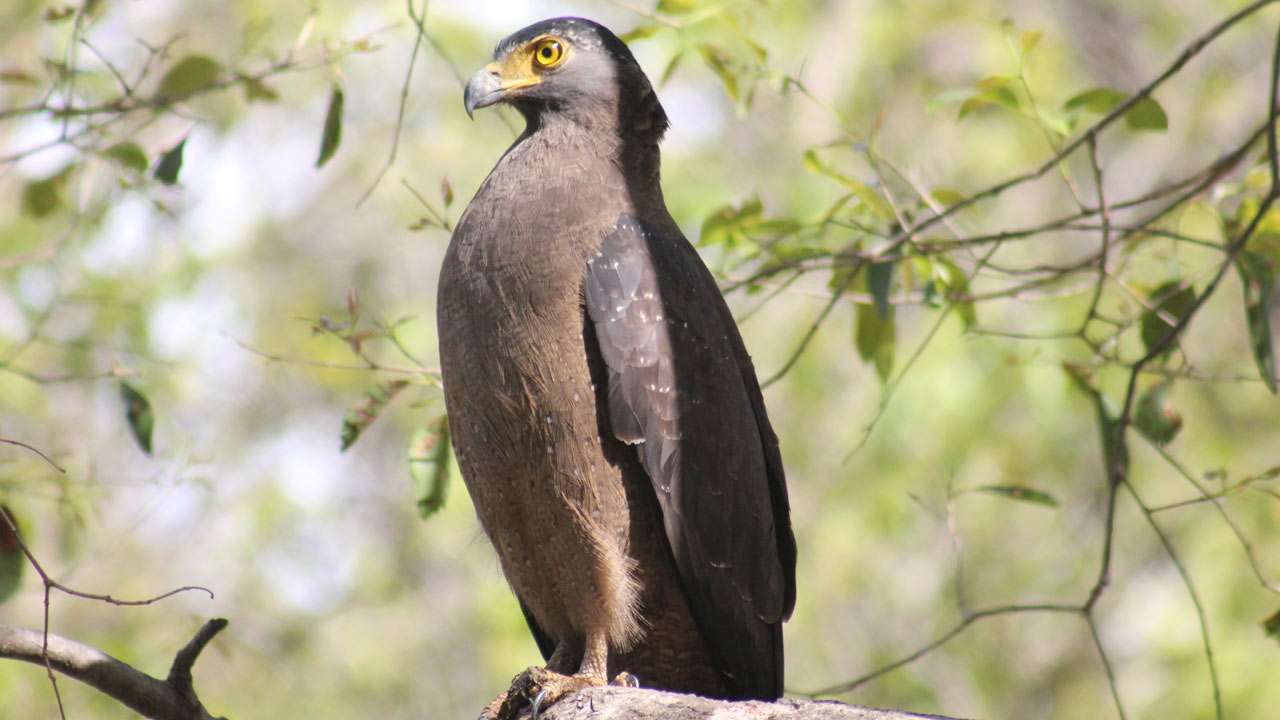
(992, 363)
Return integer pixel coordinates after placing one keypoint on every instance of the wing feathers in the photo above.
(682, 389)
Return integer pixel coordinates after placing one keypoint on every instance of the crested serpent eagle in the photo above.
(605, 414)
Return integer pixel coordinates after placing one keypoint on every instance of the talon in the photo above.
(626, 679)
(537, 703)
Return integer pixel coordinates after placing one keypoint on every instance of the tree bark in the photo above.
(622, 703)
(173, 698)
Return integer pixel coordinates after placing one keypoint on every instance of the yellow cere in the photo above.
(521, 67)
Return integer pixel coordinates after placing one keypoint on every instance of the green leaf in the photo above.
(760, 51)
(1001, 90)
(360, 417)
(1257, 276)
(128, 154)
(864, 192)
(1097, 100)
(719, 62)
(956, 285)
(670, 69)
(12, 561)
(1202, 221)
(949, 97)
(676, 7)
(170, 164)
(998, 90)
(1271, 626)
(875, 338)
(972, 105)
(879, 282)
(729, 226)
(1029, 40)
(58, 13)
(429, 465)
(10, 76)
(1156, 417)
(188, 76)
(446, 192)
(639, 32)
(332, 134)
(137, 411)
(947, 197)
(1020, 493)
(41, 197)
(1170, 299)
(843, 276)
(1115, 452)
(256, 89)
(1147, 114)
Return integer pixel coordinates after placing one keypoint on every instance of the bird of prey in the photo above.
(605, 414)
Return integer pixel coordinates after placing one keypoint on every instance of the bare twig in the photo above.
(1106, 233)
(943, 639)
(171, 699)
(1106, 664)
(1193, 49)
(1192, 594)
(813, 327)
(366, 367)
(50, 585)
(37, 451)
(1216, 500)
(418, 24)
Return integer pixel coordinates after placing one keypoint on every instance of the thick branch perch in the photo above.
(622, 703)
(170, 699)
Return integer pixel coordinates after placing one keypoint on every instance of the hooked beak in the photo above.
(492, 83)
(483, 90)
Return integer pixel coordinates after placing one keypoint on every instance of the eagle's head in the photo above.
(570, 68)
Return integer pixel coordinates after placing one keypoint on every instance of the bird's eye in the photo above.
(548, 53)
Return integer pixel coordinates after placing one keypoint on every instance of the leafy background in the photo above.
(194, 342)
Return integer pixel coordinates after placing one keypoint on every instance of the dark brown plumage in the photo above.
(605, 413)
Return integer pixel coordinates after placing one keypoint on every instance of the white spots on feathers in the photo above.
(625, 303)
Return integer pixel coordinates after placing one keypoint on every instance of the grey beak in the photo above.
(483, 90)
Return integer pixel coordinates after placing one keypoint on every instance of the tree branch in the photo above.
(171, 699)
(622, 703)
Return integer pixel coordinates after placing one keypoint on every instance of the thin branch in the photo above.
(1215, 500)
(646, 13)
(943, 639)
(1106, 233)
(44, 457)
(1106, 664)
(892, 386)
(50, 585)
(1273, 162)
(369, 365)
(813, 327)
(1196, 46)
(418, 23)
(170, 699)
(1192, 594)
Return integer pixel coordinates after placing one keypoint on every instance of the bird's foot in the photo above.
(491, 710)
(625, 679)
(538, 688)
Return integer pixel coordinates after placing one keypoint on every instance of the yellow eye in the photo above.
(548, 53)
